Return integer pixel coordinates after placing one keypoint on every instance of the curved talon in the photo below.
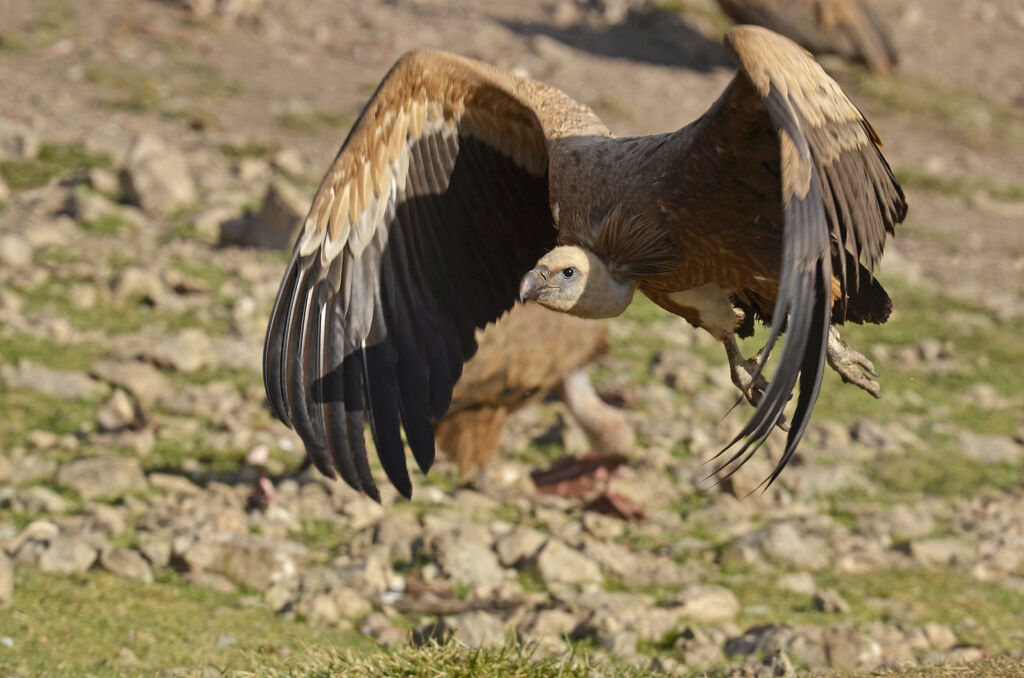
(851, 364)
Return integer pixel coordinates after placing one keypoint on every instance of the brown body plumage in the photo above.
(846, 28)
(459, 177)
(522, 358)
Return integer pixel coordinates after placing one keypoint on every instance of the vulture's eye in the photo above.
(569, 273)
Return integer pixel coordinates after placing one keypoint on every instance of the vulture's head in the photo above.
(574, 280)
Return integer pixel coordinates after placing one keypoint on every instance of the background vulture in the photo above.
(521, 358)
(458, 177)
(846, 28)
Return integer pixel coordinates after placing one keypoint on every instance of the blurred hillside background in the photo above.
(153, 153)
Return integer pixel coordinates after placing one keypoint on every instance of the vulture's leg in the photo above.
(743, 371)
(851, 365)
(605, 426)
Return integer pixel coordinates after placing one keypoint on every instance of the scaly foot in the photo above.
(851, 365)
(743, 370)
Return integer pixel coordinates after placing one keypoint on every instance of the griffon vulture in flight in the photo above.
(846, 28)
(459, 178)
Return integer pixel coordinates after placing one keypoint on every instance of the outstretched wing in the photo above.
(785, 132)
(435, 206)
(847, 28)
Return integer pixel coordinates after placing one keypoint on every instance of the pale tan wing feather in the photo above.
(432, 210)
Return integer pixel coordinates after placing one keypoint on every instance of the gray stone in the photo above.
(942, 551)
(477, 629)
(351, 604)
(706, 604)
(796, 582)
(15, 252)
(82, 296)
(26, 468)
(553, 622)
(829, 600)
(905, 522)
(141, 379)
(520, 544)
(849, 649)
(156, 550)
(17, 140)
(319, 609)
(87, 207)
(127, 563)
(290, 161)
(37, 533)
(156, 177)
(468, 560)
(118, 413)
(104, 518)
(139, 285)
(399, 534)
(60, 384)
(67, 555)
(6, 579)
(173, 484)
(107, 477)
(785, 543)
(559, 564)
(939, 636)
(619, 643)
(252, 560)
(990, 449)
(102, 180)
(212, 581)
(186, 351)
(39, 500)
(602, 526)
(274, 225)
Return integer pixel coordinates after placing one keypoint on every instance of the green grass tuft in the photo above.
(55, 160)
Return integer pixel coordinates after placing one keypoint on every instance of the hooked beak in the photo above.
(533, 282)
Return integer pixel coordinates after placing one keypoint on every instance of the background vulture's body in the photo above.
(846, 28)
(522, 358)
(459, 177)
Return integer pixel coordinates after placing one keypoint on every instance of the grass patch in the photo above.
(452, 660)
(52, 23)
(315, 121)
(46, 352)
(961, 187)
(109, 224)
(54, 160)
(77, 625)
(982, 613)
(250, 149)
(130, 88)
(25, 411)
(117, 318)
(963, 112)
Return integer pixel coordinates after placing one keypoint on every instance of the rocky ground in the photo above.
(152, 154)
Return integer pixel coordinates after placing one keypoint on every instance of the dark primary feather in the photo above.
(383, 335)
